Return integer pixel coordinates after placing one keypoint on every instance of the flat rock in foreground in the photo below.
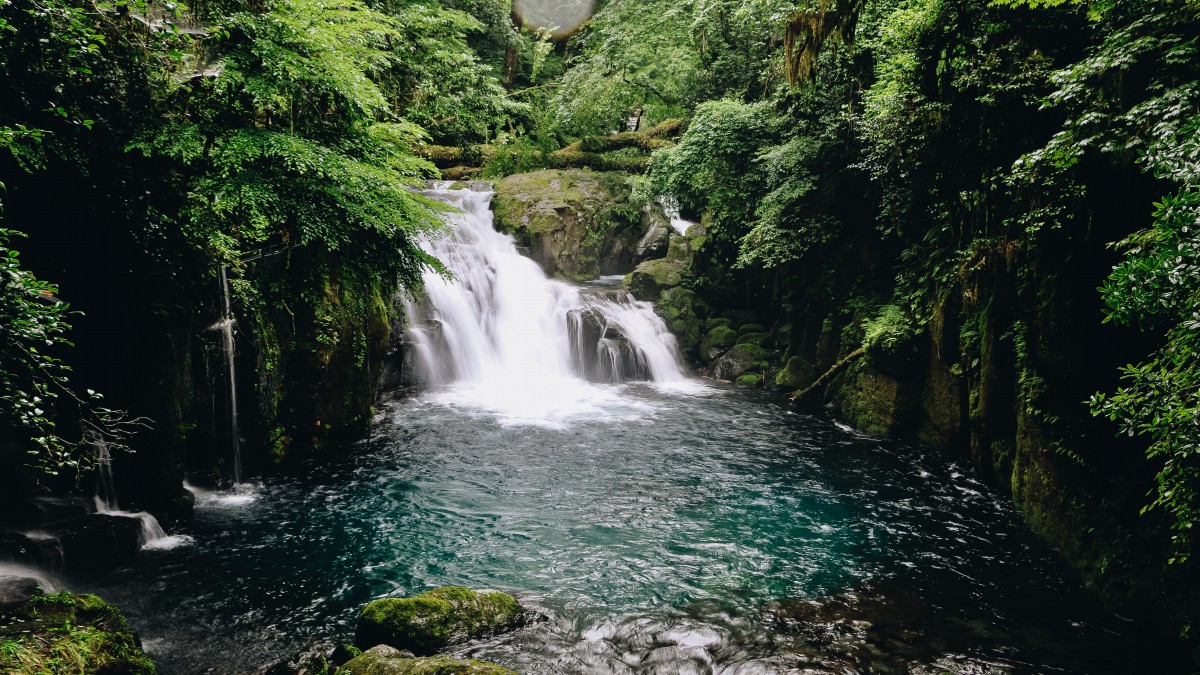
(384, 660)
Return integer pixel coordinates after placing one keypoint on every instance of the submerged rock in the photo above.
(68, 633)
(384, 660)
(429, 622)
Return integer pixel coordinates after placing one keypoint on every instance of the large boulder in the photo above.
(738, 361)
(577, 224)
(657, 239)
(69, 633)
(877, 403)
(429, 622)
(603, 349)
(15, 589)
(93, 544)
(651, 278)
(384, 660)
(717, 341)
(796, 374)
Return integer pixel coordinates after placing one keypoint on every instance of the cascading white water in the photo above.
(153, 535)
(47, 583)
(226, 325)
(511, 340)
(670, 207)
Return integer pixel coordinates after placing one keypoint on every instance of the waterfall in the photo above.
(509, 336)
(226, 325)
(670, 207)
(106, 496)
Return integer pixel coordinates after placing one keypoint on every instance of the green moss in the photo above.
(717, 341)
(759, 339)
(716, 321)
(797, 373)
(67, 633)
(748, 328)
(738, 360)
(428, 622)
(749, 381)
(652, 277)
(572, 220)
(681, 310)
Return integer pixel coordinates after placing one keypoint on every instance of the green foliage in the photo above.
(436, 80)
(33, 381)
(1157, 287)
(711, 170)
(283, 148)
(637, 59)
(887, 330)
(67, 633)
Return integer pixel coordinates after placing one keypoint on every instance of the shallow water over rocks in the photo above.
(667, 531)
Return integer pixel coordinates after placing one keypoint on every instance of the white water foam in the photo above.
(153, 536)
(47, 583)
(240, 495)
(503, 338)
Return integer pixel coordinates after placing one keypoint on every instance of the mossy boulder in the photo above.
(717, 341)
(757, 339)
(748, 328)
(739, 360)
(749, 381)
(681, 310)
(797, 373)
(429, 622)
(717, 321)
(577, 224)
(877, 403)
(384, 660)
(650, 278)
(68, 633)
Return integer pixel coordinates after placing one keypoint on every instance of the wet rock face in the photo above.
(603, 351)
(738, 361)
(578, 224)
(93, 544)
(384, 660)
(15, 590)
(429, 622)
(892, 628)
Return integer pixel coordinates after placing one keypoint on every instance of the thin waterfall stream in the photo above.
(229, 349)
(153, 536)
(660, 523)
